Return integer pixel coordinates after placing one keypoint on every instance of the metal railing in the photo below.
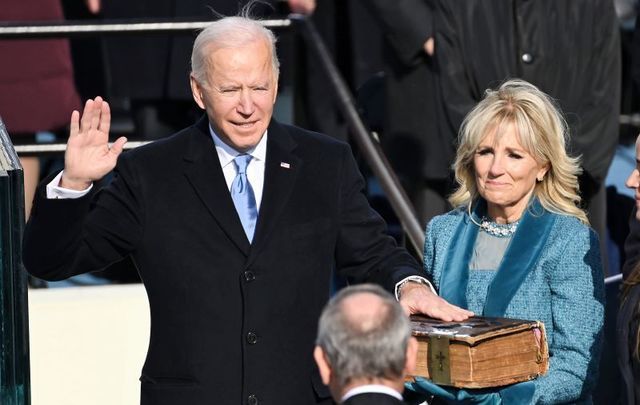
(367, 144)
(632, 119)
(13, 30)
(613, 279)
(57, 148)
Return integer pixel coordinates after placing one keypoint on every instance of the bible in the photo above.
(480, 352)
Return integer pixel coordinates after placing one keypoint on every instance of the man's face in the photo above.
(239, 93)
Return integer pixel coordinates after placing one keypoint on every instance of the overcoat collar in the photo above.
(203, 171)
(520, 258)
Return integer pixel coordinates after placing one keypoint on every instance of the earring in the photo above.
(540, 179)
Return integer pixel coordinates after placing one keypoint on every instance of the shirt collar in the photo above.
(371, 388)
(226, 153)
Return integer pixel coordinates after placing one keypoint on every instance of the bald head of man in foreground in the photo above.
(364, 347)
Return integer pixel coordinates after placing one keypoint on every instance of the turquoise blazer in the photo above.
(551, 272)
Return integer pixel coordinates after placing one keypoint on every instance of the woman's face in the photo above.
(505, 173)
(633, 181)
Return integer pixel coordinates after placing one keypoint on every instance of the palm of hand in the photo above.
(89, 156)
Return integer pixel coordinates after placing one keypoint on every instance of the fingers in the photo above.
(449, 312)
(93, 6)
(105, 118)
(97, 112)
(421, 300)
(96, 115)
(74, 126)
(87, 113)
(118, 145)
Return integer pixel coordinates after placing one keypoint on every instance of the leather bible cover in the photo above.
(480, 352)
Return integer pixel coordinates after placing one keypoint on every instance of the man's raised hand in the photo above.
(89, 156)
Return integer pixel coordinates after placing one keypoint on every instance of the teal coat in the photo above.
(551, 272)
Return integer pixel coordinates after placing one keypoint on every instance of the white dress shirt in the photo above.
(255, 169)
(371, 388)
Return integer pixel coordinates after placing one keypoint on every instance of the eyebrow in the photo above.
(509, 149)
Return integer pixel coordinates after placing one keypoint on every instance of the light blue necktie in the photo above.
(243, 197)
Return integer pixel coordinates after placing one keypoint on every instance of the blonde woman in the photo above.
(518, 246)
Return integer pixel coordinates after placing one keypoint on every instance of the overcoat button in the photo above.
(527, 58)
(252, 338)
(252, 400)
(249, 275)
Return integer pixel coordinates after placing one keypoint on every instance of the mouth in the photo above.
(244, 124)
(490, 184)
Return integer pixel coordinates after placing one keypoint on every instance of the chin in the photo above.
(245, 142)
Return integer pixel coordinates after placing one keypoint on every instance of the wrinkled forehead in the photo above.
(257, 54)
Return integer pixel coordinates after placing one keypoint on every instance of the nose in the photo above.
(496, 168)
(633, 181)
(246, 106)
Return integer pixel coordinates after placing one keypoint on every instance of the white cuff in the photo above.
(54, 191)
(413, 279)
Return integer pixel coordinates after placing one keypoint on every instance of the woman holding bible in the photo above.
(518, 246)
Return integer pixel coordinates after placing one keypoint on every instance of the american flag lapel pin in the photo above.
(285, 165)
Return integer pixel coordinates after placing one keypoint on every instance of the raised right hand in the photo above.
(88, 156)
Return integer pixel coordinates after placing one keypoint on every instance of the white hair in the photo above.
(230, 32)
(373, 348)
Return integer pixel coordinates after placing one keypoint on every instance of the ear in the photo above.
(323, 365)
(412, 356)
(275, 93)
(542, 172)
(197, 91)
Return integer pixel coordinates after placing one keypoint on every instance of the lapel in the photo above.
(455, 273)
(520, 258)
(203, 171)
(278, 184)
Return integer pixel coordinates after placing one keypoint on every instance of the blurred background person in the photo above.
(37, 88)
(518, 245)
(364, 346)
(420, 153)
(628, 322)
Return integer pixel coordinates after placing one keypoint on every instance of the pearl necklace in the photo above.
(499, 230)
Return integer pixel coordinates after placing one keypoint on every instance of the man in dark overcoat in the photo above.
(235, 225)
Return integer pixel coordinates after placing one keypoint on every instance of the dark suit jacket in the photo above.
(373, 398)
(230, 321)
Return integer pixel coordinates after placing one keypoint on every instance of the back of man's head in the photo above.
(363, 336)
